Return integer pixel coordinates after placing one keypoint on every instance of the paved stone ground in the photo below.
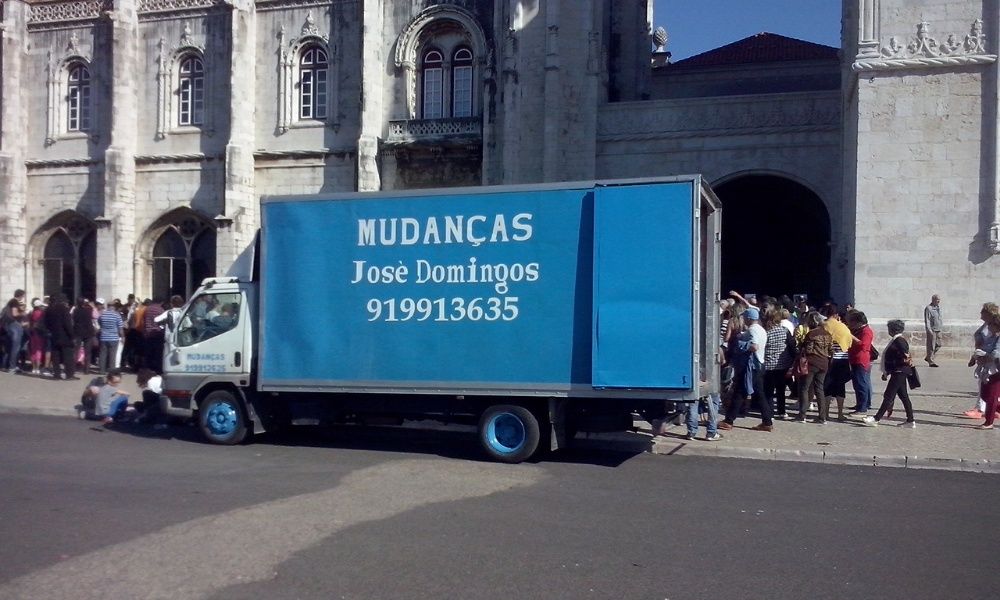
(942, 438)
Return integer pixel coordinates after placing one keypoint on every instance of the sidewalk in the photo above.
(941, 440)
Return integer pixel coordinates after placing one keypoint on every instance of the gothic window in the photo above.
(313, 72)
(183, 256)
(78, 98)
(69, 261)
(191, 91)
(432, 75)
(461, 87)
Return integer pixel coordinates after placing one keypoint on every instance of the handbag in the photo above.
(873, 353)
(801, 366)
(913, 378)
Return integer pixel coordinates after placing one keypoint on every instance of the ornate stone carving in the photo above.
(78, 10)
(413, 35)
(309, 27)
(288, 56)
(427, 129)
(175, 5)
(924, 51)
(660, 39)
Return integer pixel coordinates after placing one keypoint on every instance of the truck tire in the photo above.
(509, 433)
(221, 418)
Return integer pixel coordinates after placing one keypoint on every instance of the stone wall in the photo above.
(924, 104)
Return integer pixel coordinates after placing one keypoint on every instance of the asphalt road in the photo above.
(138, 513)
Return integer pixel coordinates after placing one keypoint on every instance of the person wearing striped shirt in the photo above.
(840, 365)
(112, 330)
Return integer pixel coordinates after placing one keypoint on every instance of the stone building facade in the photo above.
(137, 136)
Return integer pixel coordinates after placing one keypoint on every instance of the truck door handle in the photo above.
(237, 359)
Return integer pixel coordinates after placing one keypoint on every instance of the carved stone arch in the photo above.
(420, 31)
(804, 182)
(189, 226)
(777, 233)
(58, 80)
(76, 278)
(289, 51)
(168, 65)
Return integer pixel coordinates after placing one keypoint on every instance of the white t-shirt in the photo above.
(155, 384)
(759, 338)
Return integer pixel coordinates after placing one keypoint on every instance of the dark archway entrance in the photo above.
(183, 255)
(775, 238)
(69, 260)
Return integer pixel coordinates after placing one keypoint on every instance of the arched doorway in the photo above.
(69, 260)
(775, 238)
(183, 255)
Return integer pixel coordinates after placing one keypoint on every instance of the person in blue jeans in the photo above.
(714, 402)
(111, 402)
(12, 317)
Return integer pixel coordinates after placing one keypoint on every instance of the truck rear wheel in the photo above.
(221, 418)
(509, 433)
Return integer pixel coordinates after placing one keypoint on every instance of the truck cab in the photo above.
(209, 352)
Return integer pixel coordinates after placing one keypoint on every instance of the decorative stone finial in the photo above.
(660, 38)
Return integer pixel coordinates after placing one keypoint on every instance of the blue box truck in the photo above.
(532, 312)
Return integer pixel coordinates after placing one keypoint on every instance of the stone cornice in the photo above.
(61, 162)
(151, 10)
(924, 51)
(268, 5)
(55, 15)
(175, 158)
(721, 117)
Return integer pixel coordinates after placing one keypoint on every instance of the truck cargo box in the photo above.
(594, 289)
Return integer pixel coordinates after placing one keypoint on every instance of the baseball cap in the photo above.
(99, 301)
(752, 313)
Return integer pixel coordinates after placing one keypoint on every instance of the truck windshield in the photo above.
(210, 315)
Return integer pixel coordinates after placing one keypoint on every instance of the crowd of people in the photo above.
(784, 359)
(788, 361)
(49, 337)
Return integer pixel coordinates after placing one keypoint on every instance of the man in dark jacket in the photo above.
(60, 326)
(84, 333)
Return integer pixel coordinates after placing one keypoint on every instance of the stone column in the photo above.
(868, 29)
(116, 235)
(372, 76)
(991, 111)
(552, 158)
(510, 166)
(13, 175)
(238, 222)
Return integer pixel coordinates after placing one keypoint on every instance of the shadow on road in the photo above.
(459, 445)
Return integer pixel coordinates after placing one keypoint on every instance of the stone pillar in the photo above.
(13, 175)
(510, 165)
(116, 236)
(552, 157)
(238, 222)
(868, 29)
(372, 79)
(991, 112)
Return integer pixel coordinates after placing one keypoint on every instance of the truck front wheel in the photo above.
(221, 418)
(508, 433)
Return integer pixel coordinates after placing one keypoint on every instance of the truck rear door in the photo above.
(644, 286)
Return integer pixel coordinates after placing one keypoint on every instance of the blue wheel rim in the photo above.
(505, 433)
(222, 419)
